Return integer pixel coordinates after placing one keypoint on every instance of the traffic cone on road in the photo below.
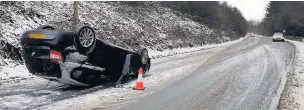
(139, 83)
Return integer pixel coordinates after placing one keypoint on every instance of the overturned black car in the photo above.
(78, 58)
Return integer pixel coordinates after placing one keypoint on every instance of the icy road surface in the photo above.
(241, 75)
(246, 75)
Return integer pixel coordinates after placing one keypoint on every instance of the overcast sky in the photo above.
(251, 9)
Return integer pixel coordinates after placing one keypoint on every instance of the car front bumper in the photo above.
(278, 39)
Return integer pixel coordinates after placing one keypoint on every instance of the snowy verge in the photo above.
(12, 72)
(275, 103)
(293, 93)
(169, 52)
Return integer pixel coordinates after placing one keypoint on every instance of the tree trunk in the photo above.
(75, 15)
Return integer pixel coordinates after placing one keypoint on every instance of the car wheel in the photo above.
(85, 39)
(144, 56)
(47, 27)
(146, 67)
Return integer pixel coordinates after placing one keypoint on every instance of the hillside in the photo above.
(150, 24)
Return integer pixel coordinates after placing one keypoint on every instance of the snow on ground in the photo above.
(293, 94)
(169, 52)
(22, 100)
(13, 72)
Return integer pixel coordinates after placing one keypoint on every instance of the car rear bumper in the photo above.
(69, 69)
(37, 61)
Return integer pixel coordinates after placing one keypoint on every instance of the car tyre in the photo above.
(146, 67)
(47, 27)
(85, 39)
(144, 55)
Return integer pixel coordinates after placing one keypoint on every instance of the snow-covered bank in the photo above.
(156, 27)
(170, 52)
(293, 94)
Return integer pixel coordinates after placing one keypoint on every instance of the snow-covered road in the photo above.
(251, 68)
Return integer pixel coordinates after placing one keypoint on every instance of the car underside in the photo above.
(78, 58)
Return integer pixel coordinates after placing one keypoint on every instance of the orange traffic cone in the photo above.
(139, 83)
